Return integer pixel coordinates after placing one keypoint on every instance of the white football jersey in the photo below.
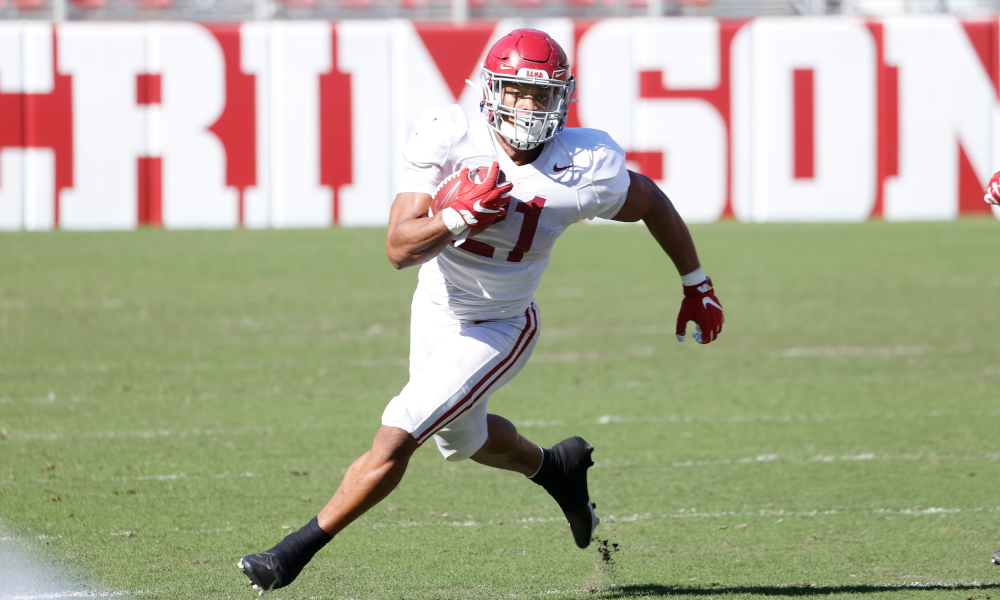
(580, 174)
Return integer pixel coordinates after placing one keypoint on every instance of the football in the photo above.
(445, 193)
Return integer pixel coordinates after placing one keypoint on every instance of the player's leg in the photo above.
(453, 367)
(447, 398)
(467, 431)
(507, 449)
(369, 479)
(561, 470)
(367, 482)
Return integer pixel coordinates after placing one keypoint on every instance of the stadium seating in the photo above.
(89, 5)
(29, 5)
(436, 10)
(154, 4)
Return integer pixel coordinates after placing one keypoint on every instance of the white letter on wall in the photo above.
(108, 126)
(192, 70)
(804, 120)
(945, 98)
(630, 72)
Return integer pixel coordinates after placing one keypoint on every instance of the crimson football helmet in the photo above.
(527, 57)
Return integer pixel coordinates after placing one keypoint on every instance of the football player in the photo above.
(474, 321)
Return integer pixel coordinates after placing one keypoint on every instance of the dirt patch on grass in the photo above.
(606, 568)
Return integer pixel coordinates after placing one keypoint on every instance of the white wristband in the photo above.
(453, 221)
(694, 277)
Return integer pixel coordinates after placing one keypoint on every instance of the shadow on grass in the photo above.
(653, 590)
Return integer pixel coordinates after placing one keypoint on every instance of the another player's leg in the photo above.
(561, 470)
(996, 557)
(367, 482)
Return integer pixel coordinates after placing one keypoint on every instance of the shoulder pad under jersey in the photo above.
(434, 134)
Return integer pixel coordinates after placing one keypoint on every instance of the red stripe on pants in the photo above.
(464, 404)
(483, 392)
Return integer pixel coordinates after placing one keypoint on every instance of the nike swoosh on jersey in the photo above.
(706, 301)
(557, 168)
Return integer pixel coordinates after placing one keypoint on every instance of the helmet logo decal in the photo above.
(527, 56)
(532, 73)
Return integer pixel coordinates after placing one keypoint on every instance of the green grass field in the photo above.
(170, 401)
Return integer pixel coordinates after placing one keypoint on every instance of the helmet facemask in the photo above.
(526, 129)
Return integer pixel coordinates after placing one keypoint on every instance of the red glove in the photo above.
(993, 190)
(477, 201)
(701, 306)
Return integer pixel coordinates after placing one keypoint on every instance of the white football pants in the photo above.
(454, 367)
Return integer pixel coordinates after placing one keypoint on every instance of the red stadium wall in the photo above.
(301, 124)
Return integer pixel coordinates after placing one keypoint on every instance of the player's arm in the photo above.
(476, 201)
(647, 202)
(414, 238)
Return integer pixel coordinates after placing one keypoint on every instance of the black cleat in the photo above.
(265, 572)
(280, 565)
(996, 557)
(567, 483)
(582, 523)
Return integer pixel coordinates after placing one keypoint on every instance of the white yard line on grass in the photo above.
(768, 514)
(989, 457)
(174, 476)
(560, 521)
(69, 594)
(144, 434)
(796, 418)
(60, 304)
(765, 458)
(837, 351)
(785, 460)
(590, 356)
(23, 436)
(691, 513)
(170, 477)
(26, 575)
